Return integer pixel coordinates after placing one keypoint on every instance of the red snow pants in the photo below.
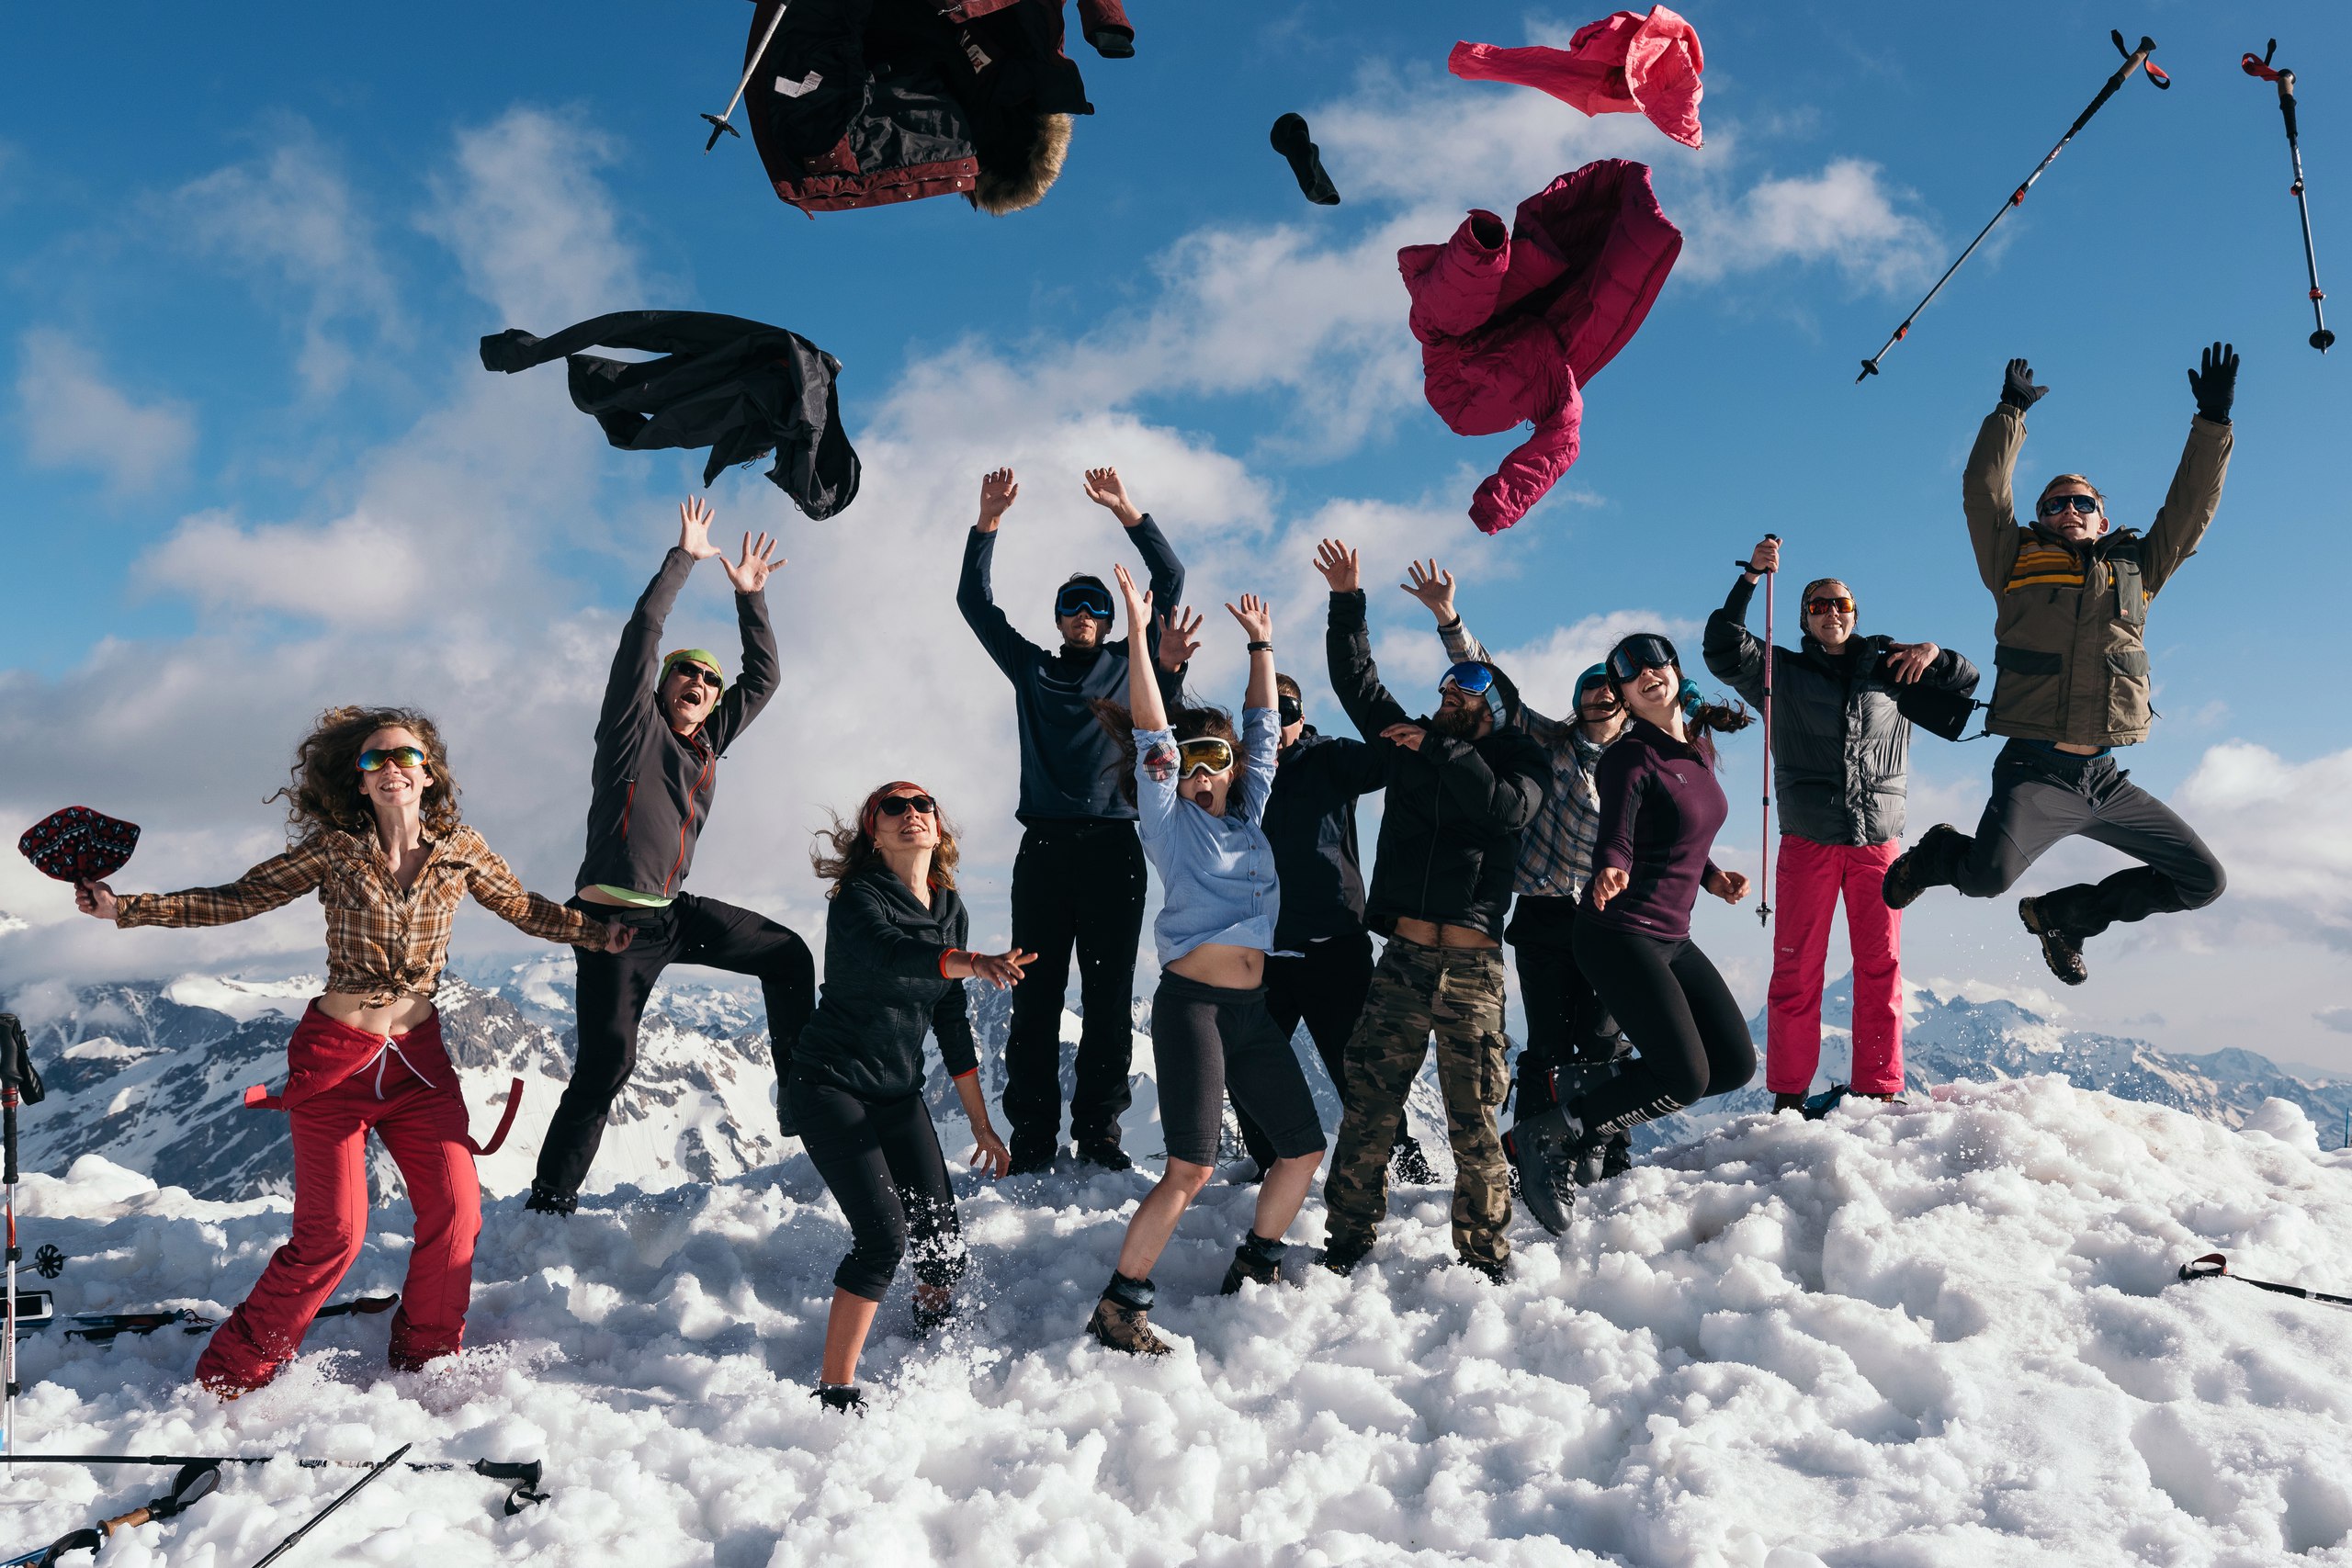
(1805, 886)
(345, 1082)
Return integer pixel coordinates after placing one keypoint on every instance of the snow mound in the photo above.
(1948, 1332)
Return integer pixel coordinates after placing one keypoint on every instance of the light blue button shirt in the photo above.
(1217, 873)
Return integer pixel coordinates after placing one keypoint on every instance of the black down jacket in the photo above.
(743, 388)
(1449, 834)
(1841, 751)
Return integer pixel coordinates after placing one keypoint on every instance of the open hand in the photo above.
(1255, 617)
(1104, 488)
(1906, 662)
(1338, 566)
(989, 1151)
(617, 936)
(95, 898)
(1728, 886)
(998, 491)
(751, 574)
(693, 527)
(1408, 735)
(2214, 382)
(1001, 970)
(1138, 599)
(1607, 882)
(1433, 585)
(1179, 638)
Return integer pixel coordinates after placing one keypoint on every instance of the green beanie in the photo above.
(701, 656)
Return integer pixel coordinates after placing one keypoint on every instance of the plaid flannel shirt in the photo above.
(1554, 849)
(383, 943)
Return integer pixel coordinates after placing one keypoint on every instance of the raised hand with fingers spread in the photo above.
(695, 517)
(1433, 586)
(999, 489)
(1106, 488)
(1179, 638)
(1339, 567)
(751, 574)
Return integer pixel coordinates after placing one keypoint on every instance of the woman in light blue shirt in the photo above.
(1200, 791)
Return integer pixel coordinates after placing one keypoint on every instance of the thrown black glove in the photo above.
(2017, 389)
(2214, 382)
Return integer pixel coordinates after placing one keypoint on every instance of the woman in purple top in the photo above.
(1661, 807)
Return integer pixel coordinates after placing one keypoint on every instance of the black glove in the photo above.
(2214, 382)
(2017, 389)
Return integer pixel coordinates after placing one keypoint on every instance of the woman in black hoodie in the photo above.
(895, 966)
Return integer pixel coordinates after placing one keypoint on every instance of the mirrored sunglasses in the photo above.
(395, 756)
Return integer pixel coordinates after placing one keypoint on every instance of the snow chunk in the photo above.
(2287, 1122)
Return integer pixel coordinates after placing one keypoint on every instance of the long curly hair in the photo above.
(1185, 723)
(324, 791)
(848, 848)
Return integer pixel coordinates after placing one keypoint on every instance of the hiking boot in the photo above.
(1032, 1159)
(1342, 1254)
(1409, 1163)
(2060, 949)
(1787, 1103)
(1549, 1149)
(1496, 1269)
(1106, 1154)
(1925, 864)
(1618, 1157)
(543, 1201)
(1256, 1258)
(1119, 1320)
(841, 1399)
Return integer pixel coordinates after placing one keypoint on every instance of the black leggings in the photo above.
(1566, 1021)
(1679, 1014)
(609, 1000)
(1324, 988)
(881, 1160)
(1207, 1040)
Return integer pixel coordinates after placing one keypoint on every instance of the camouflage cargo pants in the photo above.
(1457, 994)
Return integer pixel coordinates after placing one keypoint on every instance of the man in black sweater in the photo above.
(1079, 879)
(665, 722)
(1462, 783)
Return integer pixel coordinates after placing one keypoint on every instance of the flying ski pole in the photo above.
(718, 121)
(1764, 850)
(283, 1547)
(2321, 339)
(2216, 1266)
(2133, 59)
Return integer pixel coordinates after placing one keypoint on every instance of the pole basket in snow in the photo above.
(2284, 79)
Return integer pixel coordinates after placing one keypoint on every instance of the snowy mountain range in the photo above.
(151, 1075)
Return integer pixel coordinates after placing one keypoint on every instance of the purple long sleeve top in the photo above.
(1660, 809)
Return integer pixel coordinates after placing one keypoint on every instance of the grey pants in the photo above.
(2040, 797)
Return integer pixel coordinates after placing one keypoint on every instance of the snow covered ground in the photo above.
(1941, 1333)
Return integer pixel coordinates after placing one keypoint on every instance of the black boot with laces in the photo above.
(1256, 1258)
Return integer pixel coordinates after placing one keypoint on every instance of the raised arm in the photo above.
(1987, 480)
(1347, 644)
(1011, 650)
(1734, 655)
(274, 883)
(2196, 492)
(1165, 573)
(757, 683)
(1143, 704)
(1433, 586)
(1262, 729)
(628, 691)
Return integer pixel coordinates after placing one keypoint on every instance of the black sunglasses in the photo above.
(2054, 504)
(899, 805)
(698, 673)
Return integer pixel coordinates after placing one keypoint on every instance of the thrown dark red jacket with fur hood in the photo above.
(865, 103)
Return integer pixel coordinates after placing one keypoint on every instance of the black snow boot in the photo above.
(2061, 949)
(1342, 1254)
(1927, 863)
(1256, 1258)
(1032, 1157)
(543, 1201)
(1618, 1159)
(1549, 1149)
(1119, 1320)
(1572, 1083)
(841, 1399)
(1305, 161)
(1412, 1165)
(1787, 1103)
(1106, 1154)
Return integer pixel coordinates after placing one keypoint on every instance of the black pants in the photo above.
(1566, 1023)
(610, 997)
(881, 1161)
(1075, 883)
(1679, 1014)
(2040, 797)
(1208, 1040)
(1324, 988)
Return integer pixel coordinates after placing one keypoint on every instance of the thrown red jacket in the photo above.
(1513, 323)
(1625, 63)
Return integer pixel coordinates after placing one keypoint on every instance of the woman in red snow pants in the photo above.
(373, 812)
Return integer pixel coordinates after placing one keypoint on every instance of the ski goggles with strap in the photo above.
(1083, 599)
(1470, 678)
(1202, 754)
(1290, 709)
(393, 756)
(1644, 651)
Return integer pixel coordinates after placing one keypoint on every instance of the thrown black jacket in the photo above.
(1841, 749)
(1311, 822)
(884, 988)
(651, 786)
(742, 388)
(1449, 833)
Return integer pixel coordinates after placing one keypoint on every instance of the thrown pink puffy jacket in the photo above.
(1512, 324)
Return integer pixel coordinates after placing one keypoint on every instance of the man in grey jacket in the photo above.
(1841, 744)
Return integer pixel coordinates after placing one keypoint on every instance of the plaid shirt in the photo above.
(1554, 849)
(381, 943)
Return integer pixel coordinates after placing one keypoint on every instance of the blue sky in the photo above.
(252, 467)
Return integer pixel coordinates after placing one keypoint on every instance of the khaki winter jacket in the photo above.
(2073, 666)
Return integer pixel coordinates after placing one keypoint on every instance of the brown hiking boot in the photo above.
(1925, 864)
(1123, 1327)
(1256, 1258)
(2060, 949)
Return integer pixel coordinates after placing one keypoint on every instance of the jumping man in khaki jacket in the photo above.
(2073, 681)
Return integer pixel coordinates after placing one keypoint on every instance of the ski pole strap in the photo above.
(506, 1121)
(526, 1476)
(47, 1556)
(2253, 66)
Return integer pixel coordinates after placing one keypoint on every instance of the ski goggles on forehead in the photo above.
(1828, 604)
(1635, 654)
(1204, 755)
(1469, 678)
(2051, 505)
(1083, 599)
(392, 756)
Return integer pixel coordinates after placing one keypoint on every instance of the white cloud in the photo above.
(73, 417)
(2283, 831)
(290, 568)
(533, 228)
(289, 219)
